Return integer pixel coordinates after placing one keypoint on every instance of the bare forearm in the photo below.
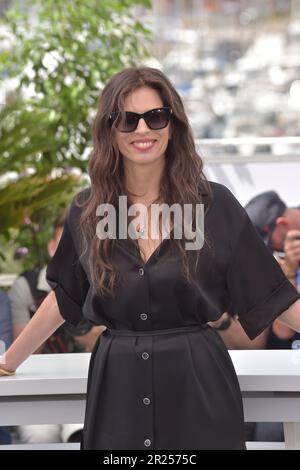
(235, 338)
(291, 316)
(44, 322)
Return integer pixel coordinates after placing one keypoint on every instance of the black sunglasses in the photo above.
(127, 121)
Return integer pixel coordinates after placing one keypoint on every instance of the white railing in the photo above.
(291, 140)
(49, 389)
(249, 150)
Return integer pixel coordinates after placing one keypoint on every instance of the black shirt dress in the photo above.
(159, 376)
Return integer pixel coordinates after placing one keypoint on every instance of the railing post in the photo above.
(292, 435)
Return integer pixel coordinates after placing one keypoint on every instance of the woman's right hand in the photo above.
(6, 372)
(44, 322)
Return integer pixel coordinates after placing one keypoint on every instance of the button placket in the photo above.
(146, 390)
(146, 374)
(141, 272)
(147, 442)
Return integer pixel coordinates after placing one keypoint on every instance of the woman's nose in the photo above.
(142, 126)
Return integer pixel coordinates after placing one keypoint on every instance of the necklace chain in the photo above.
(140, 230)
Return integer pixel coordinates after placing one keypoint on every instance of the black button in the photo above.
(141, 272)
(145, 355)
(143, 316)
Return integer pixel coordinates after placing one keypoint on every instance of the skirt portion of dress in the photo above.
(170, 389)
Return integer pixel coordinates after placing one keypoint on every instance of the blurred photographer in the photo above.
(279, 227)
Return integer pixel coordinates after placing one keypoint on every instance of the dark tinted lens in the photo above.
(126, 121)
(157, 118)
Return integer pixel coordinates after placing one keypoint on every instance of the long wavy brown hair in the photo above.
(182, 181)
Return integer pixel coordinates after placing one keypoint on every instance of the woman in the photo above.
(159, 376)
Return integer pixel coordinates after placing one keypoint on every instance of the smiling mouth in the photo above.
(143, 144)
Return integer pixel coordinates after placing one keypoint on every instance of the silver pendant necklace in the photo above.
(140, 231)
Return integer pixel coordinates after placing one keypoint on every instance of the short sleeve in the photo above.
(258, 289)
(67, 278)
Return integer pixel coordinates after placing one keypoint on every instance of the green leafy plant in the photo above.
(62, 52)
